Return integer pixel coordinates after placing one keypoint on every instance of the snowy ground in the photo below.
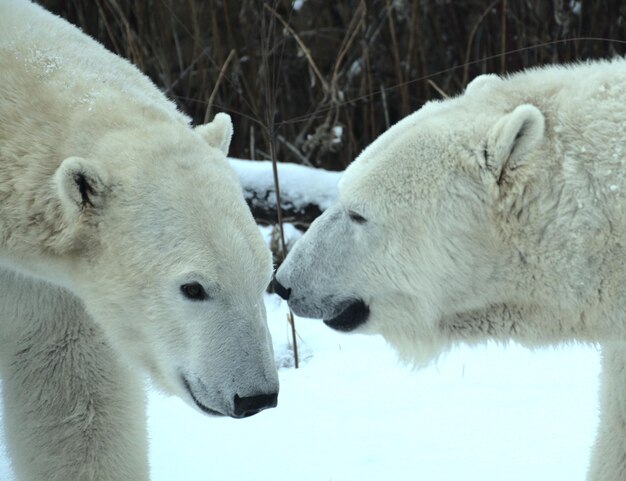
(352, 413)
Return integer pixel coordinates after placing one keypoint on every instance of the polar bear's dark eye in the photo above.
(358, 218)
(194, 291)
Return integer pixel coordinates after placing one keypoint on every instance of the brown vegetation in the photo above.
(325, 80)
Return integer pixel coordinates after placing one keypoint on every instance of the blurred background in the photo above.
(325, 78)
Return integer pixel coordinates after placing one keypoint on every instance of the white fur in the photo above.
(217, 133)
(499, 214)
(109, 203)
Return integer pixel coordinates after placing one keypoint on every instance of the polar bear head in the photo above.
(415, 235)
(167, 259)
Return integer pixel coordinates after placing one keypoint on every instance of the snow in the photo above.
(355, 69)
(353, 413)
(297, 4)
(271, 234)
(337, 131)
(300, 185)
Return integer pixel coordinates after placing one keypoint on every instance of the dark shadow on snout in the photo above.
(353, 315)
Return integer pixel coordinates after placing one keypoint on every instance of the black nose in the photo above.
(281, 290)
(249, 406)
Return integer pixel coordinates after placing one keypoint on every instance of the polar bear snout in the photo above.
(215, 402)
(344, 316)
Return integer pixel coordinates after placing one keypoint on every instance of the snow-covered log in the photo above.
(305, 192)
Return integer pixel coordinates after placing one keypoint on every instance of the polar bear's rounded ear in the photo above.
(513, 137)
(81, 185)
(482, 82)
(218, 132)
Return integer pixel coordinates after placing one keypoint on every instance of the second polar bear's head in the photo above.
(168, 260)
(414, 231)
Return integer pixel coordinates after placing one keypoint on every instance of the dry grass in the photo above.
(292, 78)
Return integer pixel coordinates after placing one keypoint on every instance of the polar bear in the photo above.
(499, 214)
(125, 243)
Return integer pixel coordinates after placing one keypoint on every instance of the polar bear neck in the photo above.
(566, 223)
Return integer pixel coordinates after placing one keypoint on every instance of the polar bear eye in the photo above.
(194, 291)
(358, 218)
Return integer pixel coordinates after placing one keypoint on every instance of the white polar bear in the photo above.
(124, 242)
(499, 214)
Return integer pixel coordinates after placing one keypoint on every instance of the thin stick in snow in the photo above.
(271, 141)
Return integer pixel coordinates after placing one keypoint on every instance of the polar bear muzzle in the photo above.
(240, 407)
(351, 313)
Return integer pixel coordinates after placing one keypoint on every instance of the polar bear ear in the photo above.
(81, 185)
(513, 137)
(482, 82)
(218, 132)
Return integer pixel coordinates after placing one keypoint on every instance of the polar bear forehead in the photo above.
(411, 161)
(194, 221)
(178, 182)
(175, 161)
(206, 190)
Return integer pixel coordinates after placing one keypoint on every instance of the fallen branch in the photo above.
(305, 192)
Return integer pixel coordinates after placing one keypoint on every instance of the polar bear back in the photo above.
(36, 38)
